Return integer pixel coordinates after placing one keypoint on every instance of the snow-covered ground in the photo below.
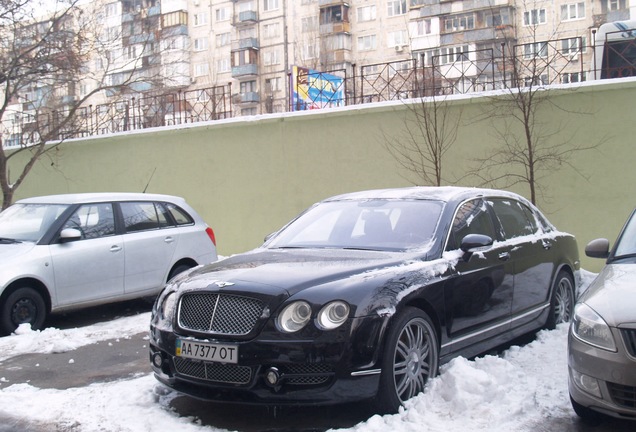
(512, 392)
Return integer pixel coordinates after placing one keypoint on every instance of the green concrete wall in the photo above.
(248, 176)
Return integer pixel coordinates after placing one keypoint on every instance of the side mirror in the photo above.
(598, 248)
(475, 243)
(69, 235)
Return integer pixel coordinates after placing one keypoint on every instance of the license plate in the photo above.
(207, 351)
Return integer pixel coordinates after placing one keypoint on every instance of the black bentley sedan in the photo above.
(363, 296)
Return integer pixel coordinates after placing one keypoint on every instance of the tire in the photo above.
(562, 301)
(178, 269)
(24, 305)
(411, 359)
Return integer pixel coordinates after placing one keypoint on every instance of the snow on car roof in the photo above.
(442, 193)
(98, 197)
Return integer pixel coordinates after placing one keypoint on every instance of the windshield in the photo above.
(28, 222)
(626, 244)
(369, 224)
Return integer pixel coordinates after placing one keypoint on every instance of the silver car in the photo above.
(65, 252)
(602, 338)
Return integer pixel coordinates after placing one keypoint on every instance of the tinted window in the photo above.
(512, 218)
(141, 216)
(93, 220)
(472, 217)
(179, 215)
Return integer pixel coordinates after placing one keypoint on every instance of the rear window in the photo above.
(180, 216)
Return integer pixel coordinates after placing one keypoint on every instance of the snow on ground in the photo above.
(492, 393)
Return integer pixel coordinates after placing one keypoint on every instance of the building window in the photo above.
(450, 55)
(201, 69)
(613, 5)
(366, 13)
(536, 81)
(366, 43)
(423, 27)
(573, 77)
(223, 39)
(271, 58)
(534, 17)
(398, 38)
(459, 22)
(497, 18)
(270, 5)
(309, 51)
(110, 9)
(222, 14)
(572, 11)
(273, 84)
(396, 7)
(248, 111)
(223, 65)
(201, 44)
(573, 46)
(309, 24)
(200, 19)
(533, 50)
(248, 86)
(271, 31)
(417, 3)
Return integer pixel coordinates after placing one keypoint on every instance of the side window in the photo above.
(93, 220)
(512, 218)
(142, 216)
(178, 214)
(472, 217)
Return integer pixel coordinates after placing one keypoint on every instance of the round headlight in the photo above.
(294, 317)
(333, 315)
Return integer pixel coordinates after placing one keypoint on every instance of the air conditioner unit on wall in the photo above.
(399, 48)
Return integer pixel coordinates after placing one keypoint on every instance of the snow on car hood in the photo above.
(613, 294)
(292, 271)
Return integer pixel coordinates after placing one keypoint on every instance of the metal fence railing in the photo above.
(527, 65)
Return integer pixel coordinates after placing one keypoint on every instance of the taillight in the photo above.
(210, 234)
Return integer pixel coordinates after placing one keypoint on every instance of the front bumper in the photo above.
(609, 378)
(276, 372)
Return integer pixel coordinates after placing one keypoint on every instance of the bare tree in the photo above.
(430, 130)
(531, 144)
(45, 56)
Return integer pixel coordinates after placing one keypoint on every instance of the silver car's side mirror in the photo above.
(70, 234)
(598, 248)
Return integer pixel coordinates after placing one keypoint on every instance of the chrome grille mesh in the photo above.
(216, 372)
(308, 373)
(223, 314)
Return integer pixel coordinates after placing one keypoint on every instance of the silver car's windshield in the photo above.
(28, 222)
(626, 245)
(369, 225)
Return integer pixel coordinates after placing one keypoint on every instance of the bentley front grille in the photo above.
(214, 372)
(217, 313)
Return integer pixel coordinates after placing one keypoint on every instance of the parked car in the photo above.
(602, 337)
(64, 252)
(362, 296)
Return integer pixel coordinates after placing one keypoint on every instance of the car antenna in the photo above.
(150, 179)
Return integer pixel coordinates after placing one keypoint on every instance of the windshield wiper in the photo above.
(7, 240)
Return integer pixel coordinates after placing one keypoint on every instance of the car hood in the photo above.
(12, 251)
(613, 294)
(290, 271)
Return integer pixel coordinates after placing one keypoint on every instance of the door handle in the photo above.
(168, 239)
(115, 248)
(547, 245)
(504, 256)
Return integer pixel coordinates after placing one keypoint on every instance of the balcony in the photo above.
(246, 18)
(246, 98)
(336, 27)
(326, 3)
(245, 43)
(247, 70)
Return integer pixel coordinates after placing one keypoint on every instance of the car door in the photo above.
(92, 267)
(479, 295)
(531, 256)
(150, 241)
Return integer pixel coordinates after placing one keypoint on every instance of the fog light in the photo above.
(586, 383)
(272, 376)
(157, 360)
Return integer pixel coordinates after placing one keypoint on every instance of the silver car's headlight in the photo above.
(294, 317)
(333, 315)
(589, 327)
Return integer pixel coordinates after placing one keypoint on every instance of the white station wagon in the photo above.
(65, 252)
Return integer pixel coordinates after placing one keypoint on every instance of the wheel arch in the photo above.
(31, 283)
(188, 262)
